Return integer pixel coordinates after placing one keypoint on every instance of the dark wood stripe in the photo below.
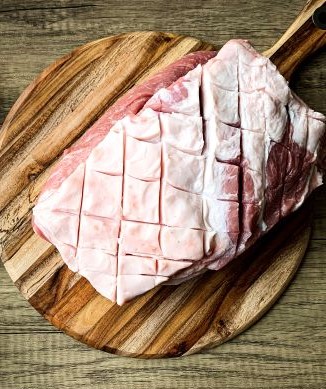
(69, 303)
(13, 238)
(45, 297)
(306, 40)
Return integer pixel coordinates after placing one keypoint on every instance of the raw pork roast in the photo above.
(182, 174)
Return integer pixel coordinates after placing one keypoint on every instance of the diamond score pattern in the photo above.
(138, 216)
(181, 184)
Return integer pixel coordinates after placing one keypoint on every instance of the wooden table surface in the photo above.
(285, 349)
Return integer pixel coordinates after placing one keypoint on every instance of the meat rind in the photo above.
(136, 193)
(182, 96)
(180, 208)
(128, 105)
(97, 260)
(67, 198)
(168, 268)
(183, 132)
(102, 195)
(130, 286)
(226, 140)
(107, 157)
(98, 233)
(103, 282)
(144, 126)
(253, 150)
(252, 109)
(224, 103)
(182, 243)
(143, 159)
(133, 265)
(187, 178)
(140, 238)
(221, 216)
(183, 171)
(222, 181)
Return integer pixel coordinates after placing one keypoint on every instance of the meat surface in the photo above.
(182, 174)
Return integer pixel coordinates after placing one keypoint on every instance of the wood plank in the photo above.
(319, 213)
(298, 318)
(278, 348)
(42, 124)
(305, 293)
(24, 259)
(71, 27)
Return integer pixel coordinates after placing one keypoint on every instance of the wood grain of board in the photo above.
(168, 321)
(308, 84)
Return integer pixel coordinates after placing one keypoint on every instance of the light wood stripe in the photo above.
(136, 341)
(24, 259)
(30, 283)
(89, 315)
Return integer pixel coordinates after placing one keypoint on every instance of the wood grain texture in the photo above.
(169, 320)
(243, 355)
(299, 42)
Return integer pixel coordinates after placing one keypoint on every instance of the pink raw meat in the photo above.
(183, 173)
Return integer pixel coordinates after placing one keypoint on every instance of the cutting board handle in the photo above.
(301, 39)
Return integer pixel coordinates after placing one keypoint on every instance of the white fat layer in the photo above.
(299, 122)
(314, 180)
(237, 75)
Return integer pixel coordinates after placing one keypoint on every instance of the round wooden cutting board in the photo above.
(170, 320)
